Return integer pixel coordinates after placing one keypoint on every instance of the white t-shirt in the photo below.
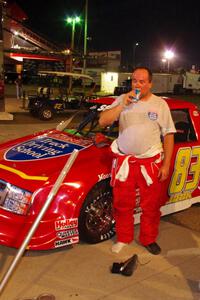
(141, 125)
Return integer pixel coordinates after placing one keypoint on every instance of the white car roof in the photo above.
(75, 75)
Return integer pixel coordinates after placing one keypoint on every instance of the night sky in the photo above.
(118, 25)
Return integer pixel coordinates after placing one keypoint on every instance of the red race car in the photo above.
(82, 208)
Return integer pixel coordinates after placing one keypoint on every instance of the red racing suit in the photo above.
(141, 173)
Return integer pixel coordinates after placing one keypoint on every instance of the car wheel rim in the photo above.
(99, 214)
(47, 114)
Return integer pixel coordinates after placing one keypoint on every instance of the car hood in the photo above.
(31, 161)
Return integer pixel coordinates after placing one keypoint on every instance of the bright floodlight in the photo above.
(69, 20)
(73, 20)
(169, 54)
(77, 19)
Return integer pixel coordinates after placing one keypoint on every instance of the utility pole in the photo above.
(72, 45)
(71, 56)
(85, 37)
(72, 21)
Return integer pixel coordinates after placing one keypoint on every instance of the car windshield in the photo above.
(86, 124)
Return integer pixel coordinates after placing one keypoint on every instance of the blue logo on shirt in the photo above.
(152, 115)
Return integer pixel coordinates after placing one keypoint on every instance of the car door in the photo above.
(184, 179)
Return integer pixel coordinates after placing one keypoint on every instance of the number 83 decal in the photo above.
(185, 177)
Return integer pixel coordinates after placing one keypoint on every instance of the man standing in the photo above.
(19, 87)
(140, 159)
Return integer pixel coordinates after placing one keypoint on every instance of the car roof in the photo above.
(172, 102)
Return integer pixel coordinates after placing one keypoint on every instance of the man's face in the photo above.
(140, 80)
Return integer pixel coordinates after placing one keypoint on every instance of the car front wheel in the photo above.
(46, 113)
(96, 222)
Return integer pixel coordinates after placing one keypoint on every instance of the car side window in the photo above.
(185, 130)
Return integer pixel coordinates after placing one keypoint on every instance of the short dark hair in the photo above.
(150, 75)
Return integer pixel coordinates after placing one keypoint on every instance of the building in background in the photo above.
(25, 49)
(107, 60)
(28, 51)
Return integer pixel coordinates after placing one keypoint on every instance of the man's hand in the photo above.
(168, 145)
(163, 173)
(128, 98)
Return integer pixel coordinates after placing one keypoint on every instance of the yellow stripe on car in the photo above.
(22, 174)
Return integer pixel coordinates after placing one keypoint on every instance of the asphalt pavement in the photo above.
(22, 123)
(82, 272)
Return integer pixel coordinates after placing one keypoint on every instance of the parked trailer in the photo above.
(191, 82)
(176, 83)
(164, 82)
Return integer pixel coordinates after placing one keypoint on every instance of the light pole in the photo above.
(85, 36)
(168, 55)
(134, 52)
(73, 22)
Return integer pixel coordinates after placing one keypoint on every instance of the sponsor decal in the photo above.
(195, 113)
(108, 235)
(67, 233)
(180, 196)
(43, 148)
(58, 106)
(103, 107)
(66, 224)
(103, 176)
(152, 115)
(66, 242)
(71, 138)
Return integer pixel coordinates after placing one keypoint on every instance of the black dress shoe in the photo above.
(125, 268)
(153, 248)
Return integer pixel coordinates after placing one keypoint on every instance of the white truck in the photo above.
(191, 82)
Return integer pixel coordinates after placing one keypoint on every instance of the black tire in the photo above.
(74, 104)
(46, 113)
(178, 89)
(96, 222)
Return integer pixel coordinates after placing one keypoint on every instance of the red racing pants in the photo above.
(125, 199)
